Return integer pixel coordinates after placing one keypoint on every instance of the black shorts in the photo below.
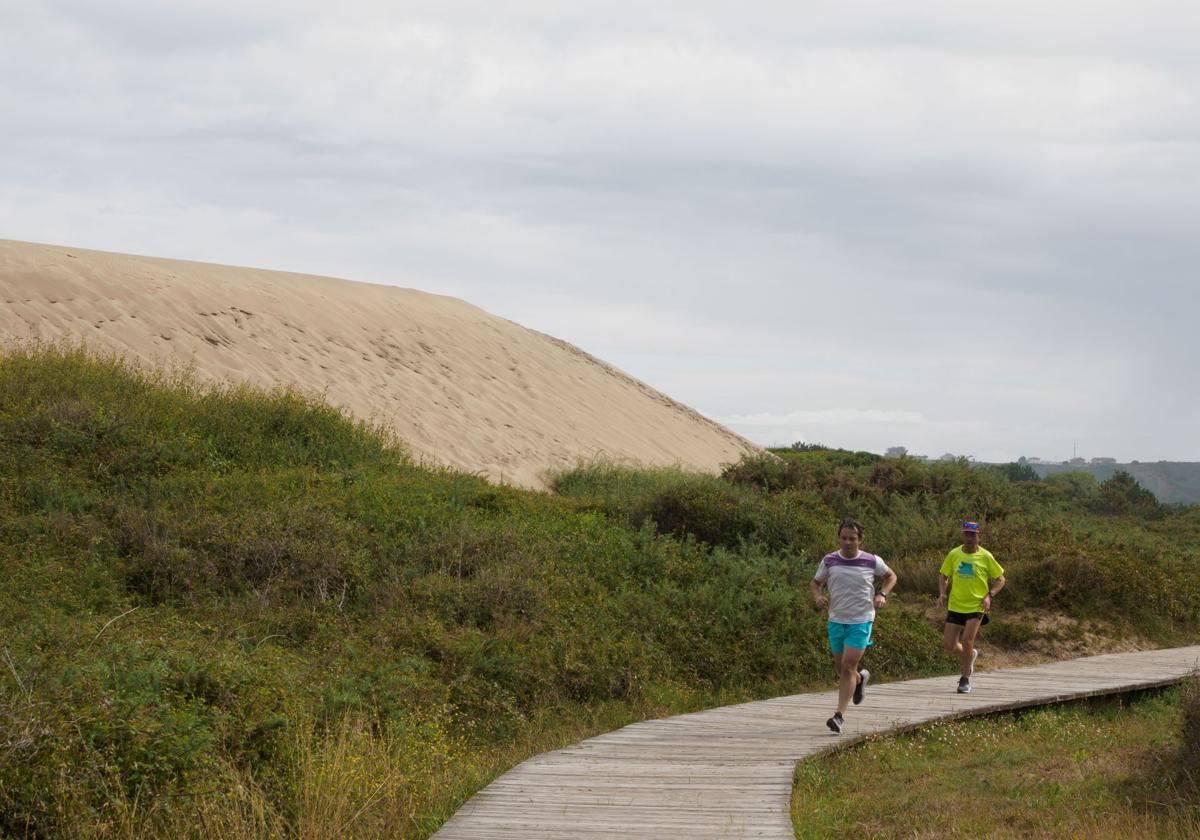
(962, 618)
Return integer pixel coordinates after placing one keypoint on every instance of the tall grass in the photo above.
(235, 613)
(1100, 768)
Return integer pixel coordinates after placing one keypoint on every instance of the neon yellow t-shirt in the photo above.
(969, 577)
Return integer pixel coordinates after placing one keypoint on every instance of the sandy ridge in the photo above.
(462, 387)
(687, 411)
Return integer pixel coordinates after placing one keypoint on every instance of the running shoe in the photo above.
(964, 685)
(863, 677)
(835, 723)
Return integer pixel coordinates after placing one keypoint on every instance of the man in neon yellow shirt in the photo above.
(977, 577)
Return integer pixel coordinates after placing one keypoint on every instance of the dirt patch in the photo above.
(1045, 638)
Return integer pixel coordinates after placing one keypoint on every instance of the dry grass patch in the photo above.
(1103, 769)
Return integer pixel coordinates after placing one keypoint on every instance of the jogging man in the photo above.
(977, 577)
(849, 574)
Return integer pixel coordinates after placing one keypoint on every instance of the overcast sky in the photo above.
(955, 227)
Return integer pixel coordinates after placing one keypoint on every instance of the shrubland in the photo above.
(232, 613)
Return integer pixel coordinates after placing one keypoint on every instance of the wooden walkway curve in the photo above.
(727, 772)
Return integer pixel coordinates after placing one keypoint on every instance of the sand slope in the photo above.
(460, 386)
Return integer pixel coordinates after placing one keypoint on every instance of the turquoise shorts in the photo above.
(849, 635)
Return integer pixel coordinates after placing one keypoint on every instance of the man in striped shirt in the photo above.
(849, 576)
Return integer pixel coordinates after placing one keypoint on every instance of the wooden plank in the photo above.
(727, 772)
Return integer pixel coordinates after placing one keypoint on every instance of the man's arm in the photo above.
(994, 586)
(889, 583)
(943, 581)
(817, 595)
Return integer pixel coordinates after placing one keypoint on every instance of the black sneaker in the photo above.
(863, 677)
(964, 685)
(835, 723)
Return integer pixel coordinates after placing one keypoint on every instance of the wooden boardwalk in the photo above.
(727, 772)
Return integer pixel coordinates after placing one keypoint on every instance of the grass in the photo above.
(1107, 768)
(236, 613)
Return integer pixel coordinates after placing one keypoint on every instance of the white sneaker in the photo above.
(864, 677)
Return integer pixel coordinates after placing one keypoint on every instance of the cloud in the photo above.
(809, 206)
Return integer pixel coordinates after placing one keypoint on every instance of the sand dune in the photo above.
(462, 387)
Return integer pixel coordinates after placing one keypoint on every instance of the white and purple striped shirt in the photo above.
(851, 583)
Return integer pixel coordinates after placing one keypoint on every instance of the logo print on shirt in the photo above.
(965, 569)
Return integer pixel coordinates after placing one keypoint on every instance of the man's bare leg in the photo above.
(847, 667)
(966, 654)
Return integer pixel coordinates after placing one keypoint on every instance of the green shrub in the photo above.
(722, 515)
(1079, 488)
(765, 472)
(1015, 471)
(1121, 494)
(237, 591)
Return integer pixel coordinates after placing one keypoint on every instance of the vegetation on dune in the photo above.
(234, 613)
(1092, 551)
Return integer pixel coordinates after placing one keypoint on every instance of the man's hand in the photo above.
(821, 602)
(941, 599)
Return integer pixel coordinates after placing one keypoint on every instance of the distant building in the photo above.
(895, 452)
(948, 456)
(1032, 459)
(1076, 462)
(1097, 461)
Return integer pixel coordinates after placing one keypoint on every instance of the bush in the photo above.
(719, 514)
(1015, 471)
(1077, 487)
(764, 472)
(1122, 495)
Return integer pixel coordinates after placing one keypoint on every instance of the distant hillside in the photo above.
(1172, 482)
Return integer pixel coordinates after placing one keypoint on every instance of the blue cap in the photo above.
(971, 526)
